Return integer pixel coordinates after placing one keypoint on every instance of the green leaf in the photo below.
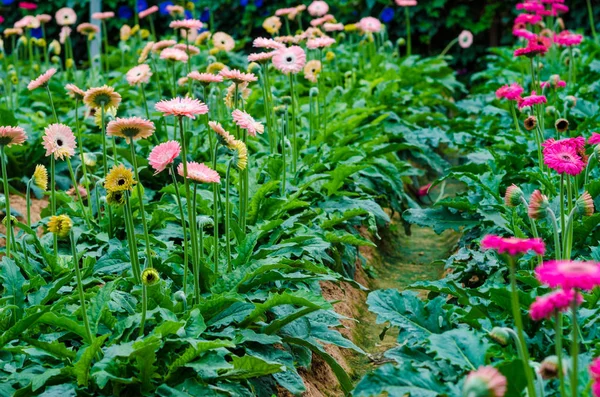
(145, 358)
(98, 303)
(439, 219)
(461, 347)
(194, 351)
(83, 365)
(64, 323)
(251, 367)
(21, 326)
(57, 349)
(12, 281)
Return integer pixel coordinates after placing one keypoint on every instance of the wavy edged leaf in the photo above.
(21, 326)
(83, 365)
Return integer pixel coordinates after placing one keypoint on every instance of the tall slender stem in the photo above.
(293, 124)
(591, 17)
(144, 309)
(561, 371)
(76, 187)
(227, 216)
(130, 231)
(216, 187)
(105, 166)
(408, 33)
(86, 323)
(9, 230)
(183, 227)
(53, 198)
(86, 179)
(574, 349)
(28, 201)
(140, 194)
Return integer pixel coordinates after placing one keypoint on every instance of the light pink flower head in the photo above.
(42, 80)
(261, 42)
(563, 158)
(65, 32)
(173, 54)
(75, 92)
(130, 128)
(198, 172)
(511, 92)
(103, 15)
(87, 28)
(139, 75)
(289, 60)
(58, 140)
(485, 378)
(175, 10)
(247, 122)
(65, 16)
(188, 24)
(320, 21)
(568, 274)
(531, 100)
(558, 301)
(163, 155)
(205, 78)
(187, 48)
(465, 39)
(224, 136)
(43, 18)
(236, 76)
(333, 27)
(261, 57)
(320, 42)
(406, 3)
(512, 245)
(181, 107)
(148, 11)
(370, 24)
(161, 45)
(12, 136)
(28, 21)
(318, 8)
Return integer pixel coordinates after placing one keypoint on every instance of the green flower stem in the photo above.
(216, 187)
(516, 309)
(183, 227)
(561, 371)
(563, 229)
(447, 48)
(174, 88)
(51, 103)
(9, 230)
(574, 349)
(76, 187)
(557, 249)
(105, 166)
(86, 179)
(86, 323)
(105, 40)
(53, 198)
(284, 130)
(591, 17)
(293, 125)
(408, 40)
(144, 309)
(567, 234)
(140, 194)
(587, 167)
(268, 110)
(152, 29)
(130, 231)
(191, 211)
(515, 118)
(28, 201)
(228, 216)
(89, 53)
(196, 269)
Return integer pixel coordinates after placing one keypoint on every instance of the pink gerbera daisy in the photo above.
(333, 27)
(224, 136)
(139, 75)
(513, 245)
(237, 77)
(75, 92)
(563, 158)
(65, 16)
(594, 139)
(261, 42)
(511, 92)
(187, 48)
(261, 57)
(369, 24)
(12, 136)
(530, 6)
(568, 39)
(103, 15)
(161, 45)
(199, 172)
(531, 100)
(188, 24)
(181, 107)
(43, 18)
(130, 128)
(524, 33)
(487, 379)
(528, 19)
(205, 78)
(548, 305)
(87, 28)
(532, 49)
(289, 60)
(320, 21)
(320, 42)
(148, 11)
(42, 80)
(163, 155)
(173, 54)
(406, 3)
(318, 8)
(247, 122)
(569, 274)
(465, 39)
(59, 140)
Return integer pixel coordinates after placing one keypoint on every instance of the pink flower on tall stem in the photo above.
(289, 60)
(130, 128)
(369, 24)
(524, 33)
(333, 27)
(319, 42)
(148, 11)
(205, 78)
(558, 301)
(181, 107)
(531, 100)
(161, 45)
(261, 42)
(103, 15)
(486, 380)
(567, 39)
(58, 140)
(42, 80)
(512, 245)
(563, 158)
(530, 6)
(44, 18)
(511, 92)
(465, 39)
(65, 16)
(247, 122)
(139, 75)
(528, 19)
(199, 172)
(568, 274)
(532, 49)
(237, 77)
(12, 136)
(261, 57)
(406, 3)
(163, 155)
(318, 8)
(594, 139)
(173, 54)
(188, 24)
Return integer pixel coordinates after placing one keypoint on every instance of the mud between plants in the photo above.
(18, 206)
(398, 261)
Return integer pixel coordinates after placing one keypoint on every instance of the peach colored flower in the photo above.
(130, 128)
(261, 57)
(318, 8)
(75, 92)
(224, 136)
(58, 140)
(12, 136)
(198, 172)
(189, 24)
(173, 54)
(175, 10)
(320, 42)
(261, 42)
(205, 78)
(145, 52)
(65, 32)
(139, 75)
(223, 41)
(370, 24)
(161, 45)
(42, 80)
(312, 70)
(43, 18)
(187, 48)
(106, 96)
(87, 28)
(237, 77)
(103, 15)
(181, 107)
(247, 122)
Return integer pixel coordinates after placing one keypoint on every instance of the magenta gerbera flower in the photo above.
(180, 107)
(558, 301)
(42, 80)
(567, 39)
(513, 245)
(163, 155)
(568, 274)
(594, 139)
(58, 140)
(247, 122)
(12, 136)
(512, 92)
(563, 158)
(532, 49)
(199, 172)
(289, 60)
(531, 100)
(528, 19)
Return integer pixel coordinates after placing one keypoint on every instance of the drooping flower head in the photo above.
(199, 172)
(58, 140)
(485, 381)
(538, 205)
(312, 69)
(558, 301)
(513, 196)
(247, 122)
(42, 80)
(161, 45)
(119, 179)
(130, 128)
(12, 136)
(465, 39)
(60, 225)
(563, 158)
(40, 177)
(225, 138)
(43, 18)
(568, 274)
(512, 245)
(187, 48)
(272, 24)
(139, 75)
(289, 60)
(530, 123)
(512, 92)
(181, 107)
(163, 155)
(240, 152)
(318, 8)
(88, 29)
(150, 277)
(65, 17)
(333, 27)
(105, 96)
(585, 204)
(148, 11)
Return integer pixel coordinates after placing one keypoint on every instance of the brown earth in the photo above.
(19, 204)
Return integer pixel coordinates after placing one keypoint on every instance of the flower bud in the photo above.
(485, 382)
(549, 368)
(530, 123)
(500, 335)
(585, 205)
(538, 205)
(561, 125)
(401, 42)
(550, 110)
(570, 101)
(513, 196)
(150, 277)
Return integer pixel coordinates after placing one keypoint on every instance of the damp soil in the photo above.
(18, 205)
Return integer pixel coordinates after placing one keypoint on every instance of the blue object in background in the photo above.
(125, 12)
(142, 5)
(387, 14)
(188, 14)
(163, 7)
(243, 3)
(7, 2)
(37, 33)
(205, 15)
(258, 3)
